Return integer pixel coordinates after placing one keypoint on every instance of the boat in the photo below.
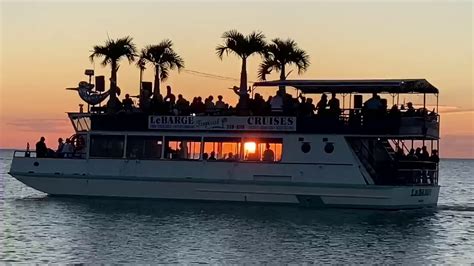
(355, 158)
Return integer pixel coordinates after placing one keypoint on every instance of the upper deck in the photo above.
(349, 123)
(355, 120)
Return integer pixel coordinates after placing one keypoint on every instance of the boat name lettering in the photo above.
(255, 123)
(270, 120)
(419, 192)
(181, 120)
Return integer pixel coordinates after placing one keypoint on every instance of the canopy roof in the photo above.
(355, 86)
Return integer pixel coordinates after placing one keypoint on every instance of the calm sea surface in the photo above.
(36, 228)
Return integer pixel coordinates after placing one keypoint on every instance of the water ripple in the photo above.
(41, 229)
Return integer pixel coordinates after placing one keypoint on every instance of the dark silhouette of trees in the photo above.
(111, 53)
(280, 53)
(242, 46)
(163, 58)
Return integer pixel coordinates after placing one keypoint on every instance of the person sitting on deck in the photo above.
(68, 149)
(60, 147)
(394, 110)
(418, 153)
(268, 154)
(410, 109)
(230, 157)
(41, 149)
(127, 103)
(399, 154)
(434, 156)
(213, 156)
(411, 155)
(425, 156)
(373, 103)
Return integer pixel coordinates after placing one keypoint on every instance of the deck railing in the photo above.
(350, 121)
(34, 154)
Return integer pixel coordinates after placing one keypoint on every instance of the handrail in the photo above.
(34, 154)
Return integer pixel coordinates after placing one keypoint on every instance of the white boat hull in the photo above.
(313, 195)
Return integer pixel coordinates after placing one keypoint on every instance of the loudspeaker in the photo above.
(99, 83)
(357, 101)
(147, 86)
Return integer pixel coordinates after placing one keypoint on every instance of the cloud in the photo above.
(39, 125)
(456, 110)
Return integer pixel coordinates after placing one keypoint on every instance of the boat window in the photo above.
(81, 122)
(227, 149)
(266, 150)
(183, 148)
(144, 147)
(107, 146)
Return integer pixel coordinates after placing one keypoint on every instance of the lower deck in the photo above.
(319, 170)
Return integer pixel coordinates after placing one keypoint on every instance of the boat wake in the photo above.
(460, 208)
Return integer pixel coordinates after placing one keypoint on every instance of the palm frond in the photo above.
(286, 52)
(162, 56)
(266, 68)
(240, 45)
(164, 74)
(114, 50)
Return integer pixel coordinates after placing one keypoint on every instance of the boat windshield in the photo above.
(80, 121)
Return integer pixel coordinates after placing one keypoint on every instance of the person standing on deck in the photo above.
(268, 154)
(322, 104)
(220, 104)
(334, 105)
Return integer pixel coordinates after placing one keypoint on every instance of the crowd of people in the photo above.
(281, 103)
(181, 152)
(66, 149)
(418, 154)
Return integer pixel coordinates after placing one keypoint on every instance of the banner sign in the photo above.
(251, 123)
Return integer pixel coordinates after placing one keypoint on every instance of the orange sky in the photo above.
(45, 48)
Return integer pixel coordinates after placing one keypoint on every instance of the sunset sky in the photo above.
(45, 47)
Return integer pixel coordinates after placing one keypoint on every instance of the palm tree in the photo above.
(163, 58)
(141, 64)
(112, 52)
(279, 54)
(242, 46)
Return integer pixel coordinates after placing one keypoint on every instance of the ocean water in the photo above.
(36, 228)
